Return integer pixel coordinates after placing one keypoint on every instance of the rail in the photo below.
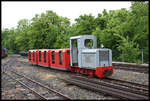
(42, 97)
(105, 87)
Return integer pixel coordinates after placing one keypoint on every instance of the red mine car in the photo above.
(43, 57)
(60, 59)
(54, 58)
(32, 56)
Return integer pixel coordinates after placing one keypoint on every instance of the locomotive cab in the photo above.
(77, 44)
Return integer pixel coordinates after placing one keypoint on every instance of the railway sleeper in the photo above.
(103, 89)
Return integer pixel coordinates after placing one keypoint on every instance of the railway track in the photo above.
(108, 86)
(135, 68)
(128, 83)
(125, 85)
(24, 81)
(113, 89)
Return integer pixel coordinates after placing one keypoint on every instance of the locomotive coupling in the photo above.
(108, 72)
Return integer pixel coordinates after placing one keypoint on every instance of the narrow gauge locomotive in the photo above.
(83, 57)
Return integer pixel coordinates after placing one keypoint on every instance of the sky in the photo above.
(14, 11)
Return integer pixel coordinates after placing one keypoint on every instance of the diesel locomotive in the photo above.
(83, 57)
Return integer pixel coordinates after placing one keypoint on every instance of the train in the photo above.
(4, 52)
(82, 57)
(23, 53)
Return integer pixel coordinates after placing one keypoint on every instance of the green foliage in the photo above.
(5, 34)
(136, 27)
(120, 30)
(84, 25)
(129, 48)
(22, 36)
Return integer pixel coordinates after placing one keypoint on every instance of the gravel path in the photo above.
(51, 77)
(131, 76)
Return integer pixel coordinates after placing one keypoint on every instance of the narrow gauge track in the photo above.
(140, 69)
(127, 83)
(108, 88)
(37, 83)
(124, 85)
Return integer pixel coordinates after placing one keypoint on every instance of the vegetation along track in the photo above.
(23, 80)
(114, 89)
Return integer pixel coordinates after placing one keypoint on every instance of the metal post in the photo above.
(122, 56)
(142, 56)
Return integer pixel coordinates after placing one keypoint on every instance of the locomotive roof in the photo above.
(85, 36)
(94, 50)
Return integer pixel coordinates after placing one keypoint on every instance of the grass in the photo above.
(8, 84)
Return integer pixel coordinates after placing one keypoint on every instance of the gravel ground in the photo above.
(12, 90)
(131, 76)
(51, 77)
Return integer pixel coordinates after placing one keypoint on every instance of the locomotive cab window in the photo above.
(60, 57)
(75, 43)
(88, 43)
(33, 57)
(68, 52)
(45, 56)
(39, 55)
(53, 57)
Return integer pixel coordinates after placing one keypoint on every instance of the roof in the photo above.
(81, 36)
(50, 49)
(56, 50)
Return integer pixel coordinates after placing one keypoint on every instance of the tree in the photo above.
(4, 38)
(84, 25)
(129, 48)
(136, 26)
(22, 35)
(11, 40)
(46, 28)
(119, 30)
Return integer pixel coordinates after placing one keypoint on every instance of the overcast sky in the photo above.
(12, 12)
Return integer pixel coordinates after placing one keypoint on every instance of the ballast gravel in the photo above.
(51, 78)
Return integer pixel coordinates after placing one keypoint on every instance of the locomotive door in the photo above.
(74, 52)
(104, 58)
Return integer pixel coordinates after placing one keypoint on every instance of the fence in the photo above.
(142, 58)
